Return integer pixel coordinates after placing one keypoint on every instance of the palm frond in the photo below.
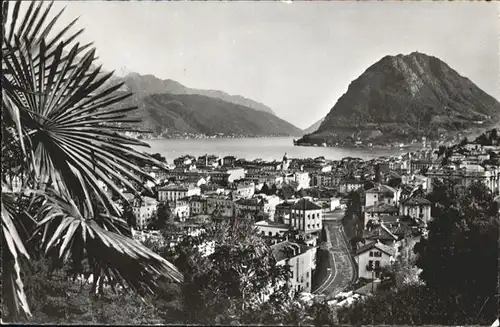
(65, 231)
(11, 256)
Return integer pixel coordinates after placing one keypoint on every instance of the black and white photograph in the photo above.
(250, 163)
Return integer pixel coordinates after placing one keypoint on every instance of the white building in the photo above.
(381, 194)
(144, 209)
(306, 216)
(175, 192)
(373, 256)
(302, 261)
(416, 207)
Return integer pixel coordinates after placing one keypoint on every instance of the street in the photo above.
(340, 265)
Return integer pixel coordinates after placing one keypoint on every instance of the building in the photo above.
(371, 257)
(228, 161)
(302, 179)
(197, 205)
(174, 192)
(224, 176)
(465, 175)
(144, 210)
(419, 165)
(283, 211)
(220, 206)
(208, 161)
(180, 208)
(306, 216)
(374, 212)
(271, 228)
(416, 207)
(302, 261)
(346, 186)
(255, 207)
(381, 194)
(244, 190)
(285, 163)
(326, 180)
(184, 160)
(380, 233)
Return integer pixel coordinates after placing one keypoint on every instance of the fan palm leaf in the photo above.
(15, 249)
(65, 117)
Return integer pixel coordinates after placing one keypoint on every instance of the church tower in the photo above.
(285, 163)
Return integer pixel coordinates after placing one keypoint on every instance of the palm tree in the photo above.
(61, 124)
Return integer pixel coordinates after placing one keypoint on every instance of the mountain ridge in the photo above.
(408, 96)
(150, 84)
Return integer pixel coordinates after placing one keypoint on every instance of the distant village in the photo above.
(290, 199)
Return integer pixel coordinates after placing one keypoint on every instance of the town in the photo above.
(300, 207)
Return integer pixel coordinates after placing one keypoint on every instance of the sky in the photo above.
(297, 58)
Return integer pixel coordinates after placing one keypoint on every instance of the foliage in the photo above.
(418, 305)
(56, 298)
(353, 218)
(233, 278)
(464, 233)
(61, 122)
(162, 217)
(488, 138)
(286, 192)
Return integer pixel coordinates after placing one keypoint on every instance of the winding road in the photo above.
(341, 269)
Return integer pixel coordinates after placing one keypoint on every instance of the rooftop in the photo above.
(381, 189)
(305, 204)
(416, 200)
(381, 208)
(285, 250)
(382, 247)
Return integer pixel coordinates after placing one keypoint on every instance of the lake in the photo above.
(252, 148)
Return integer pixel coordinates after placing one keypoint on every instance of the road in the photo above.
(341, 267)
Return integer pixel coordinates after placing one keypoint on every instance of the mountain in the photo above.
(143, 85)
(199, 114)
(404, 97)
(314, 127)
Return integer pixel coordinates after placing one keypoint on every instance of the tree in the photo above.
(394, 182)
(265, 189)
(286, 192)
(464, 233)
(63, 119)
(220, 286)
(274, 190)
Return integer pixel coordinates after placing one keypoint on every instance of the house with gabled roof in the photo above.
(374, 212)
(380, 233)
(372, 257)
(381, 194)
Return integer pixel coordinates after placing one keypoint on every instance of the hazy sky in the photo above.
(296, 58)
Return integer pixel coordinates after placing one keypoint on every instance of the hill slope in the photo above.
(408, 96)
(314, 127)
(143, 85)
(198, 114)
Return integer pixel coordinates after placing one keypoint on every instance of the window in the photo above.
(270, 233)
(371, 253)
(307, 274)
